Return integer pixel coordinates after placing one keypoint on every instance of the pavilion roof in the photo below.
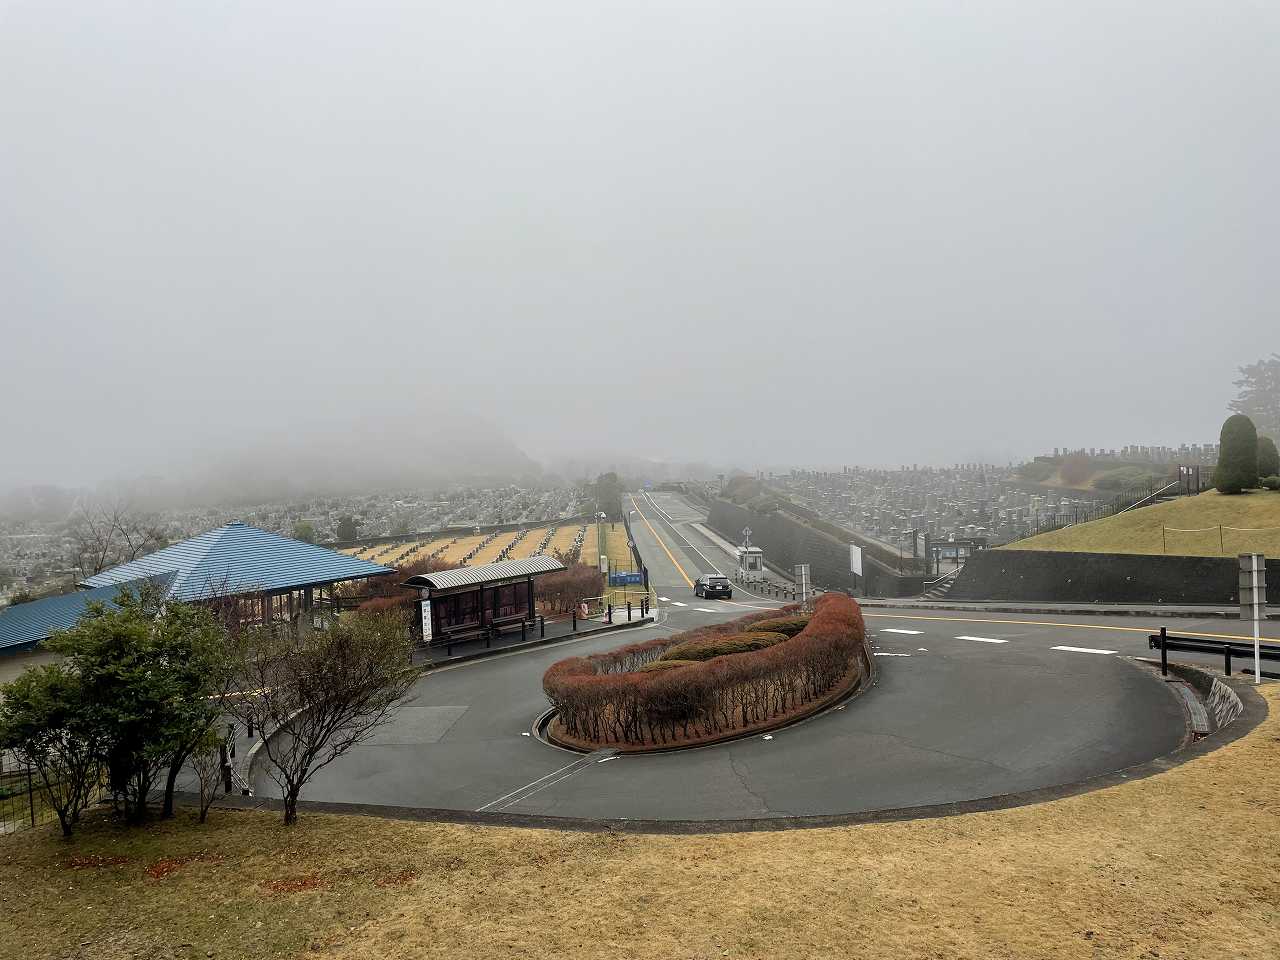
(235, 559)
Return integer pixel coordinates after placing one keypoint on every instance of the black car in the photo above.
(713, 585)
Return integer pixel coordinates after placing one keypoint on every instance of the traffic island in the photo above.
(714, 683)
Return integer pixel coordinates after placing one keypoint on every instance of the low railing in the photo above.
(778, 591)
(1227, 649)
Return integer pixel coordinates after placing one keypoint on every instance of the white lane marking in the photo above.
(983, 639)
(878, 654)
(707, 610)
(677, 603)
(568, 766)
(1081, 650)
(665, 599)
(895, 630)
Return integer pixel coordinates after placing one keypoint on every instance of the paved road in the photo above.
(967, 707)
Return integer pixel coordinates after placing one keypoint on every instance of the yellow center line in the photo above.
(1055, 623)
(669, 554)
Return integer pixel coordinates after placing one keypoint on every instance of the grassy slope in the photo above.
(1184, 864)
(1138, 531)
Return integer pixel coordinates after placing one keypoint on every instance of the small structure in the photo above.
(24, 625)
(750, 564)
(268, 577)
(480, 601)
(751, 567)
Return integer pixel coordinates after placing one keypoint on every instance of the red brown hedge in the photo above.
(607, 698)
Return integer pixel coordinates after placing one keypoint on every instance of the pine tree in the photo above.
(1259, 397)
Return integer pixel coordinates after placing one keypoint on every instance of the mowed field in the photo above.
(1183, 864)
(1188, 526)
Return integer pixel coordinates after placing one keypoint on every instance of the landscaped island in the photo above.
(713, 683)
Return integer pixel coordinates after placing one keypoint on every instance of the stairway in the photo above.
(938, 589)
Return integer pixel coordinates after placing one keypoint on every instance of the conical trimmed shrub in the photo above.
(1268, 458)
(1237, 456)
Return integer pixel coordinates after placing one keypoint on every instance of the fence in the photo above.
(1131, 498)
(1242, 539)
(22, 804)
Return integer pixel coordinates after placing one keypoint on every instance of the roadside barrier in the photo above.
(1227, 649)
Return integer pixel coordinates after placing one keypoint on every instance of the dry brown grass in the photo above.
(1184, 864)
(1251, 522)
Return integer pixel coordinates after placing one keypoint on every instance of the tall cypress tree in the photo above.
(1237, 456)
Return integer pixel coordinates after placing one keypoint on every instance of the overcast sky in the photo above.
(740, 232)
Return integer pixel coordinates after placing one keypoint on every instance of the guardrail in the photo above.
(1227, 649)
(779, 591)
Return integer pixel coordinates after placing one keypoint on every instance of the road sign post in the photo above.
(855, 562)
(1253, 602)
(802, 581)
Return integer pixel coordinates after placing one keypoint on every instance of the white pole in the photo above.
(1257, 610)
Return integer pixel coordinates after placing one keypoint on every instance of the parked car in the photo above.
(713, 585)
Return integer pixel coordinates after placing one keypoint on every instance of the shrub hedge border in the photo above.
(604, 701)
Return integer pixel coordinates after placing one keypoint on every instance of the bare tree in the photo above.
(206, 763)
(316, 693)
(108, 533)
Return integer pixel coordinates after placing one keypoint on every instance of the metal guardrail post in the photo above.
(1164, 652)
(610, 614)
(575, 619)
(523, 631)
(628, 611)
(226, 769)
(542, 626)
(1226, 656)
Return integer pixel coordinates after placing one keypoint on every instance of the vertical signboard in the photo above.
(802, 581)
(855, 564)
(1253, 602)
(426, 621)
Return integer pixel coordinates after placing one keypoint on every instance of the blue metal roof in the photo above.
(29, 623)
(237, 558)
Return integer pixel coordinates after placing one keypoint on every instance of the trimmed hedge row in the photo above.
(615, 697)
(788, 626)
(665, 665)
(709, 647)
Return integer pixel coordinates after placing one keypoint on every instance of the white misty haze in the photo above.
(842, 232)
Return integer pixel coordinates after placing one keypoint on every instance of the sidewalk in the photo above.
(1052, 607)
(556, 630)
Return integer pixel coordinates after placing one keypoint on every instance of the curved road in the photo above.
(965, 708)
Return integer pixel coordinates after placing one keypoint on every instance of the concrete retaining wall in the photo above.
(786, 542)
(1037, 575)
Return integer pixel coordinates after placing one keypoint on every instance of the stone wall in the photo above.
(1035, 575)
(787, 541)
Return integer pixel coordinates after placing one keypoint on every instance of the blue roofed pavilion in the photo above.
(268, 576)
(238, 559)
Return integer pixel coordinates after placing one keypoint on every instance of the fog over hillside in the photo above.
(293, 245)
